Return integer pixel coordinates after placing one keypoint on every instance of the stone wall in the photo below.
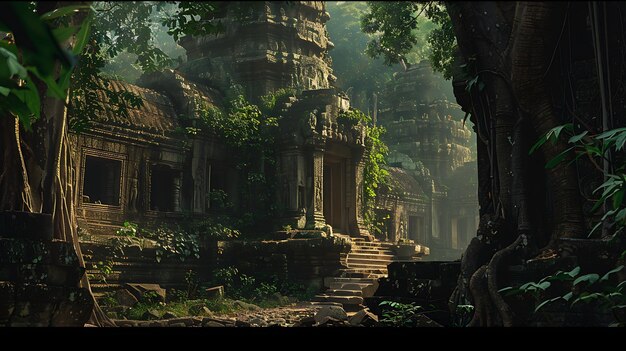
(305, 260)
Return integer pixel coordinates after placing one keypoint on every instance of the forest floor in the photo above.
(296, 314)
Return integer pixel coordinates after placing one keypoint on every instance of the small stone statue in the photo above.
(313, 120)
(134, 190)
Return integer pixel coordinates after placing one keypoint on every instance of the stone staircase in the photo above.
(367, 261)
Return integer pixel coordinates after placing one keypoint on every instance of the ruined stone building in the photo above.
(432, 165)
(145, 167)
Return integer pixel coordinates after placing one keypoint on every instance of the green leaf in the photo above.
(618, 197)
(63, 11)
(83, 35)
(547, 302)
(5, 91)
(558, 158)
(588, 298)
(610, 133)
(574, 272)
(568, 296)
(577, 138)
(64, 33)
(612, 271)
(620, 142)
(544, 285)
(557, 130)
(538, 144)
(12, 64)
(589, 278)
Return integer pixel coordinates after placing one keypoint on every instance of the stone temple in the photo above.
(143, 167)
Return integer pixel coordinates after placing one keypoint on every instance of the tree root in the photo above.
(482, 305)
(492, 280)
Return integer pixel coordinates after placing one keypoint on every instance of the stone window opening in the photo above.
(165, 189)
(101, 182)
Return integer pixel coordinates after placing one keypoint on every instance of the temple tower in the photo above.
(264, 46)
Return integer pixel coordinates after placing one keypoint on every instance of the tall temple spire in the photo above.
(265, 46)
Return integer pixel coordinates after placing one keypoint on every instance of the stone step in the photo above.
(368, 265)
(344, 292)
(359, 275)
(375, 256)
(348, 286)
(373, 244)
(371, 253)
(326, 303)
(363, 273)
(329, 280)
(369, 261)
(344, 300)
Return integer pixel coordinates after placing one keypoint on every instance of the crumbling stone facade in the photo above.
(433, 167)
(321, 164)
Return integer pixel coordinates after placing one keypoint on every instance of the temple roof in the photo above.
(157, 115)
(402, 183)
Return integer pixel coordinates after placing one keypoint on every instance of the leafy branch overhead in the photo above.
(398, 26)
(39, 51)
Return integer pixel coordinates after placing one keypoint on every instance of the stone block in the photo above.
(215, 292)
(335, 312)
(140, 289)
(125, 298)
(363, 317)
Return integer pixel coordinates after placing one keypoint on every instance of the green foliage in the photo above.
(174, 242)
(375, 174)
(595, 147)
(29, 56)
(396, 314)
(194, 19)
(400, 26)
(249, 131)
(216, 228)
(237, 285)
(585, 288)
(259, 290)
(463, 315)
(131, 36)
(357, 73)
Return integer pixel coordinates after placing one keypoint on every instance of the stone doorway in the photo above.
(334, 193)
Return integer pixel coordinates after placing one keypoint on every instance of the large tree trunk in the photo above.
(37, 166)
(509, 46)
(534, 39)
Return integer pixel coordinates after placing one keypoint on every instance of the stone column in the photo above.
(315, 213)
(290, 172)
(357, 225)
(176, 191)
(198, 169)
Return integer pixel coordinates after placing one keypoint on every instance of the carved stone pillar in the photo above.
(357, 225)
(289, 194)
(176, 192)
(315, 213)
(198, 169)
